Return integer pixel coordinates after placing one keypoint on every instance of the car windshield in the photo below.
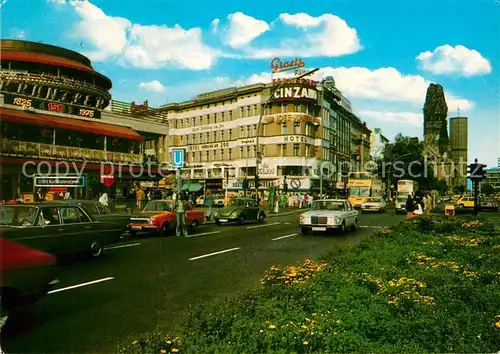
(17, 215)
(328, 205)
(374, 200)
(237, 202)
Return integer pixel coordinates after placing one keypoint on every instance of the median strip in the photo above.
(122, 246)
(80, 285)
(373, 227)
(282, 237)
(263, 225)
(213, 254)
(203, 234)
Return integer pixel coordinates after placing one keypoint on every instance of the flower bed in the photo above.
(407, 289)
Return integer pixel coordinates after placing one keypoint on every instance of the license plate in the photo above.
(319, 228)
(223, 220)
(136, 228)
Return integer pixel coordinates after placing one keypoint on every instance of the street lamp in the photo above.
(257, 140)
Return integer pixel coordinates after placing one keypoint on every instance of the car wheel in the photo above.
(194, 224)
(217, 222)
(241, 220)
(260, 218)
(461, 206)
(342, 227)
(95, 249)
(305, 231)
(355, 225)
(165, 229)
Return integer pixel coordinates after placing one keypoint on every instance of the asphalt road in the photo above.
(146, 283)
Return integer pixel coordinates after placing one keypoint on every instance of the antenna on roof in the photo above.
(458, 111)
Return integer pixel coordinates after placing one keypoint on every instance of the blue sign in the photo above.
(178, 158)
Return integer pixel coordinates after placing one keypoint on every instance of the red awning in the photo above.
(74, 124)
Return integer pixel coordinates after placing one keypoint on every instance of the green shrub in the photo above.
(426, 285)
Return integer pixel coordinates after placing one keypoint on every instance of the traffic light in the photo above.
(257, 182)
(245, 184)
(476, 171)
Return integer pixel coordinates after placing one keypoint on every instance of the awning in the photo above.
(74, 124)
(193, 187)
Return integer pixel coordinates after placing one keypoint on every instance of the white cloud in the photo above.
(152, 86)
(446, 59)
(402, 118)
(58, 2)
(149, 47)
(214, 25)
(326, 35)
(18, 33)
(243, 29)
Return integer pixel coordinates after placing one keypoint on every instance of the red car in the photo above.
(158, 217)
(26, 274)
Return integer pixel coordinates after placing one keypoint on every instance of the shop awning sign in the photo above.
(59, 181)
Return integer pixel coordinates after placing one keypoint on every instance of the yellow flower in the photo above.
(391, 283)
(175, 350)
(169, 342)
(163, 351)
(497, 325)
(272, 326)
(135, 342)
(306, 342)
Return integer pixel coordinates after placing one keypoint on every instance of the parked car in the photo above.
(374, 204)
(489, 204)
(57, 228)
(99, 211)
(158, 217)
(240, 210)
(329, 214)
(26, 274)
(465, 202)
(218, 201)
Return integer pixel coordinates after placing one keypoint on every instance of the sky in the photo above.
(382, 54)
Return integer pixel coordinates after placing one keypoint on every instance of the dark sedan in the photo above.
(98, 211)
(57, 228)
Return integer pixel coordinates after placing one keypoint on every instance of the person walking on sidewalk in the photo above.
(180, 214)
(410, 207)
(428, 205)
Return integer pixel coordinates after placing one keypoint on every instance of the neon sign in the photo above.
(278, 66)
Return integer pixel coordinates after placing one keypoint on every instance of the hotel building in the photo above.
(305, 125)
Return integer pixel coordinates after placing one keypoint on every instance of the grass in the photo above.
(428, 285)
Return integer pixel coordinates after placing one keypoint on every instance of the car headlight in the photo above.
(235, 213)
(302, 219)
(151, 221)
(337, 220)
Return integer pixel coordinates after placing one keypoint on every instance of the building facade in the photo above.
(304, 126)
(493, 178)
(459, 149)
(378, 142)
(54, 121)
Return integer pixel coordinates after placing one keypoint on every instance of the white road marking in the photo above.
(263, 225)
(80, 285)
(287, 223)
(122, 246)
(213, 254)
(203, 234)
(282, 237)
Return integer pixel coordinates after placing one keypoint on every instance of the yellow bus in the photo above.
(362, 185)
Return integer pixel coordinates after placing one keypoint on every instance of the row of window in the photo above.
(244, 111)
(249, 152)
(249, 131)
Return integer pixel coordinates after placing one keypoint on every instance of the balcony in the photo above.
(47, 151)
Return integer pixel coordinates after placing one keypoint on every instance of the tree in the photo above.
(487, 189)
(404, 159)
(459, 189)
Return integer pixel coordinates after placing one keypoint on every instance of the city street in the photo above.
(146, 283)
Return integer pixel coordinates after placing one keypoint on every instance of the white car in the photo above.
(374, 204)
(328, 215)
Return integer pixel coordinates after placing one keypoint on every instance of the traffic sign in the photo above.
(178, 156)
(295, 183)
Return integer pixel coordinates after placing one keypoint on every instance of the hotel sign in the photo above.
(51, 106)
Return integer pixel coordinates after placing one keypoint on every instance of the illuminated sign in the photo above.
(51, 106)
(296, 92)
(60, 181)
(278, 66)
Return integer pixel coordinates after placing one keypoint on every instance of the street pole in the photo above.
(257, 141)
(476, 198)
(179, 181)
(321, 171)
(227, 185)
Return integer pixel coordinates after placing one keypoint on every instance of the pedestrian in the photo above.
(139, 195)
(410, 207)
(103, 198)
(180, 215)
